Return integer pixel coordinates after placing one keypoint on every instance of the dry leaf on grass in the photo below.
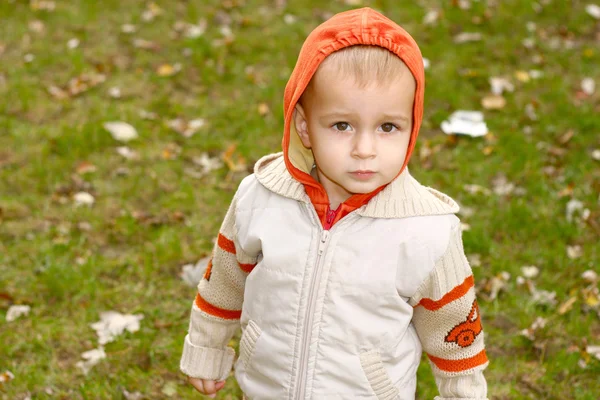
(167, 70)
(588, 86)
(127, 153)
(121, 131)
(90, 358)
(529, 333)
(6, 376)
(463, 122)
(593, 10)
(17, 311)
(465, 37)
(574, 251)
(193, 273)
(113, 324)
(493, 102)
(186, 128)
(83, 199)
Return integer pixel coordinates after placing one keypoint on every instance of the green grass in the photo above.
(69, 264)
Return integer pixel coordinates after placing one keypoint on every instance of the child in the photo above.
(338, 264)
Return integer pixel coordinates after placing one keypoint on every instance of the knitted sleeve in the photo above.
(448, 323)
(216, 311)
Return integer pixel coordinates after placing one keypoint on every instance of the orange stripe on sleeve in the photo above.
(208, 270)
(216, 311)
(247, 267)
(456, 293)
(226, 244)
(459, 365)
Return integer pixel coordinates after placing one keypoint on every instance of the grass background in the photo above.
(151, 215)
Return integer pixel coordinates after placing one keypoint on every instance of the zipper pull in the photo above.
(324, 238)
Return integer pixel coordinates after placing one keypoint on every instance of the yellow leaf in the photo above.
(263, 109)
(522, 76)
(567, 305)
(493, 102)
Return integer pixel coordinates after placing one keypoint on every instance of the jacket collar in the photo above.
(403, 197)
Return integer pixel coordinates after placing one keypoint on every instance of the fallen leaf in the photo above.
(493, 102)
(500, 84)
(90, 358)
(6, 376)
(566, 137)
(475, 189)
(83, 199)
(113, 324)
(132, 395)
(236, 164)
(127, 153)
(36, 26)
(431, 17)
(73, 43)
(590, 276)
(529, 333)
(523, 76)
(114, 92)
(289, 19)
(186, 128)
(193, 273)
(593, 10)
(465, 37)
(121, 131)
(207, 163)
(85, 167)
(145, 44)
(263, 109)
(594, 350)
(530, 271)
(574, 251)
(17, 311)
(588, 86)
(166, 70)
(128, 28)
(170, 389)
(567, 305)
(151, 116)
(462, 122)
(42, 5)
(152, 11)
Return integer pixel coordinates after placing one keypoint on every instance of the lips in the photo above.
(363, 174)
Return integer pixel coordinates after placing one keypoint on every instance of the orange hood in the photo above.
(363, 26)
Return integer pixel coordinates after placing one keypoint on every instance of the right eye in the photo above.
(341, 126)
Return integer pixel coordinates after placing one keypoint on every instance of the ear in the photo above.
(301, 125)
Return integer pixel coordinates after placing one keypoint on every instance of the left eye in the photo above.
(388, 127)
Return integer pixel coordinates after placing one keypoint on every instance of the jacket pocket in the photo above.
(248, 342)
(377, 376)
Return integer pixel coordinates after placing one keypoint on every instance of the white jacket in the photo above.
(339, 314)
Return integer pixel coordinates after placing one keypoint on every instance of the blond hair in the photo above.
(366, 64)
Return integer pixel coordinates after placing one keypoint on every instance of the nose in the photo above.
(364, 146)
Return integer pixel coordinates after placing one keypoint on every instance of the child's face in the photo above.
(359, 136)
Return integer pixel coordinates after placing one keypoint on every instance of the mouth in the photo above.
(362, 174)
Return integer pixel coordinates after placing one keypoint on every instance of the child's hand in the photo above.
(206, 386)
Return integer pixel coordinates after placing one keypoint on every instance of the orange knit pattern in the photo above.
(463, 364)
(456, 293)
(216, 311)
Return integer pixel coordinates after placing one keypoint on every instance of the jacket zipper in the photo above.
(308, 318)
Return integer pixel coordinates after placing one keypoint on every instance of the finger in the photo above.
(209, 387)
(220, 385)
(197, 383)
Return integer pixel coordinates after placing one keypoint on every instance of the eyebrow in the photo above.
(342, 114)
